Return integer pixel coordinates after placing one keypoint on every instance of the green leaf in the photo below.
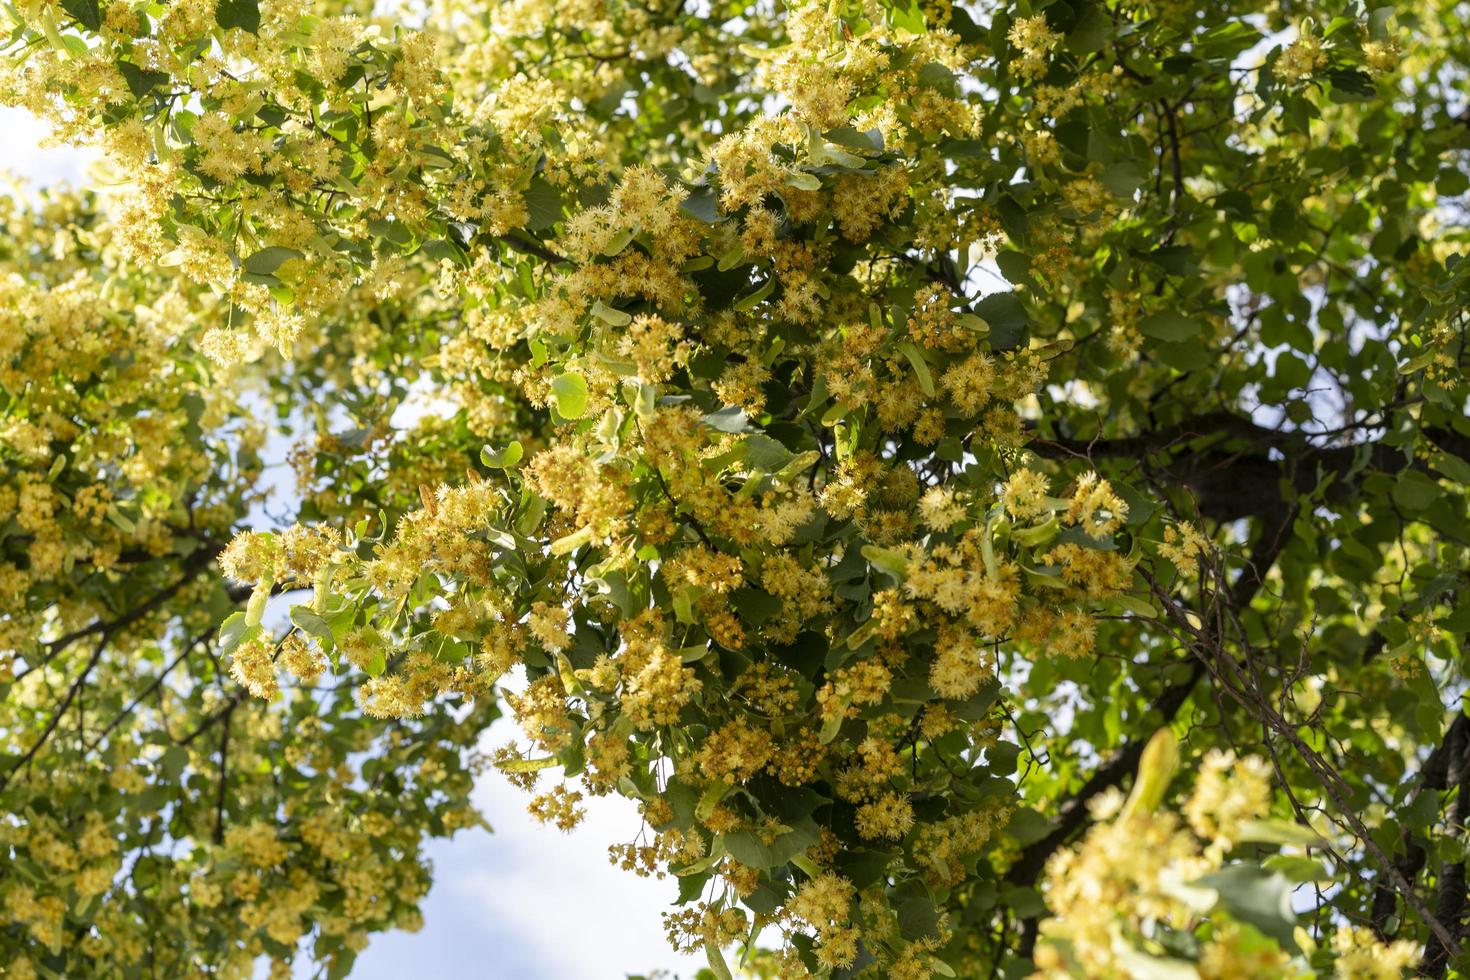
(341, 963)
(391, 231)
(1291, 371)
(619, 242)
(234, 631)
(312, 623)
(703, 204)
(730, 419)
(1186, 356)
(938, 77)
(799, 464)
(268, 260)
(735, 256)
(1007, 319)
(863, 867)
(1027, 825)
(691, 888)
(1076, 535)
(747, 847)
(716, 959)
(1458, 621)
(255, 608)
(907, 15)
(171, 763)
(526, 765)
(832, 724)
(804, 181)
(1351, 85)
(921, 369)
(1014, 219)
(1415, 491)
(1134, 606)
(570, 392)
(503, 458)
(917, 915)
(886, 560)
(1378, 23)
(750, 300)
(684, 604)
(1177, 260)
(1453, 467)
(1225, 41)
(87, 13)
(869, 142)
(822, 152)
(755, 606)
(120, 520)
(764, 453)
(543, 205)
(1258, 897)
(766, 898)
(1170, 326)
(1124, 178)
(571, 542)
(1297, 868)
(140, 80)
(1015, 266)
(244, 14)
(977, 705)
(1091, 32)
(609, 315)
(708, 800)
(956, 149)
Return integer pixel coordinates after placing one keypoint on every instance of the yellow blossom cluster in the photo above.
(1140, 872)
(1302, 57)
(718, 383)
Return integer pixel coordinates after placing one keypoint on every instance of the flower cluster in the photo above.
(1141, 876)
(790, 413)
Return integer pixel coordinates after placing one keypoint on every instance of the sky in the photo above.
(526, 902)
(531, 902)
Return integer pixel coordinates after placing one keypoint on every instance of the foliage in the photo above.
(1174, 907)
(157, 817)
(861, 424)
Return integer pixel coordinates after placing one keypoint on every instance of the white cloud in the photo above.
(23, 153)
(530, 902)
(583, 916)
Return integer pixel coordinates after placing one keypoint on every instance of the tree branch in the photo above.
(1433, 778)
(532, 247)
(71, 694)
(1073, 812)
(1237, 472)
(224, 773)
(155, 685)
(192, 567)
(1449, 906)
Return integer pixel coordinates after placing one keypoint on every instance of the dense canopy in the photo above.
(987, 479)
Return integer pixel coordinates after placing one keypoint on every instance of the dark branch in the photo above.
(71, 694)
(1450, 900)
(192, 567)
(224, 773)
(1073, 812)
(1235, 467)
(1433, 778)
(532, 247)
